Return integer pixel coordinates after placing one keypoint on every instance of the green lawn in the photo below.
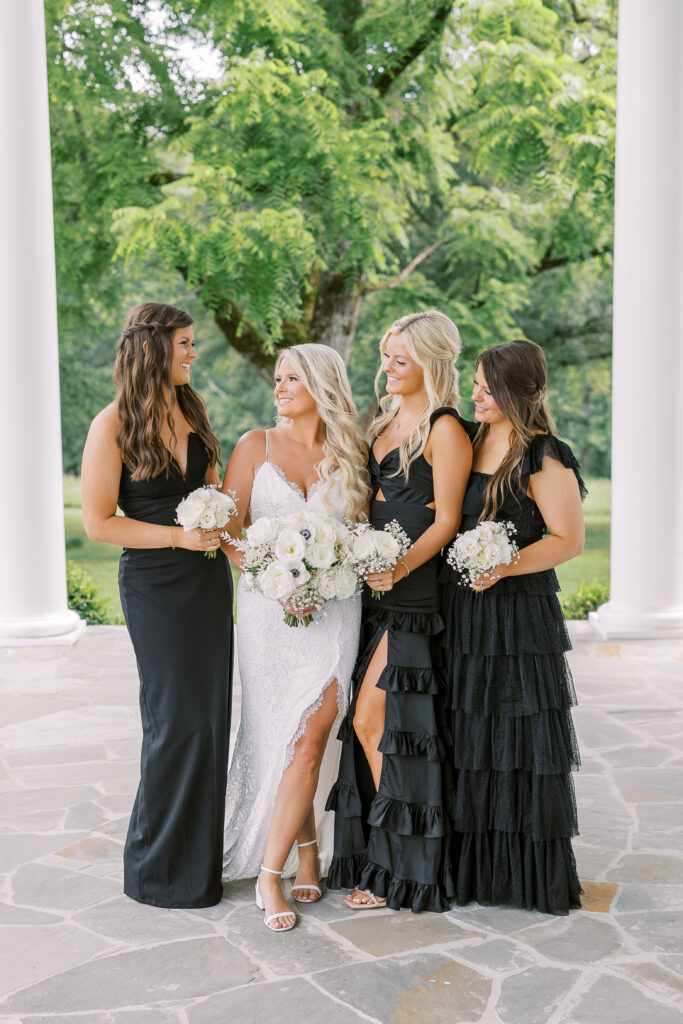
(101, 561)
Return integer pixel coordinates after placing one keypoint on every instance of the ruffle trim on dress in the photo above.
(426, 623)
(412, 744)
(344, 872)
(544, 743)
(541, 807)
(513, 870)
(406, 819)
(496, 622)
(400, 892)
(548, 444)
(404, 679)
(345, 800)
(510, 685)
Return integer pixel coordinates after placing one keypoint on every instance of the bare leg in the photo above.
(309, 862)
(368, 724)
(294, 800)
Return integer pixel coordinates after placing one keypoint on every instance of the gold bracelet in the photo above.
(406, 569)
(172, 541)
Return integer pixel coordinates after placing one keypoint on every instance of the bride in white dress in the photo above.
(295, 681)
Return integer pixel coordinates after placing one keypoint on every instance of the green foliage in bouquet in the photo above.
(83, 597)
(587, 598)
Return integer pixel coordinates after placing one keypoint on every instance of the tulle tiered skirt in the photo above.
(514, 747)
(396, 841)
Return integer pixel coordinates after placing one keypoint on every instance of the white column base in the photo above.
(62, 628)
(615, 623)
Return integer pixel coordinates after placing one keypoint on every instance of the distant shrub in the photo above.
(587, 598)
(84, 597)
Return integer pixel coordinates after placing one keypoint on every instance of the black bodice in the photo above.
(418, 487)
(156, 500)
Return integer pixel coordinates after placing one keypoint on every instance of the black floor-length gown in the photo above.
(178, 609)
(514, 745)
(395, 841)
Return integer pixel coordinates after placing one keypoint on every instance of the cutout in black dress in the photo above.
(178, 609)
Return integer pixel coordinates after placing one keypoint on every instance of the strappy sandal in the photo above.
(316, 888)
(260, 903)
(374, 903)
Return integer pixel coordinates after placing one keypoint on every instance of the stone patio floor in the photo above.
(74, 949)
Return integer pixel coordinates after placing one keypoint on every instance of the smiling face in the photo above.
(292, 398)
(485, 408)
(404, 375)
(183, 355)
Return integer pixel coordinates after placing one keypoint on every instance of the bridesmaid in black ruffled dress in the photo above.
(511, 690)
(145, 452)
(391, 824)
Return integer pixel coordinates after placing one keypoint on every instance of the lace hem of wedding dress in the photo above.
(311, 710)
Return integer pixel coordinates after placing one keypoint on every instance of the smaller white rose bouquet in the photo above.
(300, 560)
(376, 550)
(207, 508)
(476, 552)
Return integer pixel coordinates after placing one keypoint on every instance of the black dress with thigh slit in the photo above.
(178, 609)
(395, 841)
(510, 698)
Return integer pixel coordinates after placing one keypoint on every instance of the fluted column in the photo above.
(647, 420)
(33, 601)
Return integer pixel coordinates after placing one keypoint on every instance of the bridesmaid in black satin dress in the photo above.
(146, 452)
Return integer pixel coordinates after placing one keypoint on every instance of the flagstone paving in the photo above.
(73, 949)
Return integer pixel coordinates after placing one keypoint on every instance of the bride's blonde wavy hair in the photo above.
(345, 460)
(433, 342)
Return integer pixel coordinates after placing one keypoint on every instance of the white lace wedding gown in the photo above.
(284, 673)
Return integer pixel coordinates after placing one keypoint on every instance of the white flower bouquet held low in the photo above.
(300, 560)
(207, 508)
(377, 550)
(477, 552)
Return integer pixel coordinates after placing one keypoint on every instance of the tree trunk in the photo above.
(335, 313)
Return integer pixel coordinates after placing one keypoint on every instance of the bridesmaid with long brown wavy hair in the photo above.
(145, 452)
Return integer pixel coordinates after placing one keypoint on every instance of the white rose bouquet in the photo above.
(207, 508)
(376, 550)
(476, 552)
(299, 560)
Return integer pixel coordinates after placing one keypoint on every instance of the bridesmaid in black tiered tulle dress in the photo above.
(177, 604)
(511, 690)
(391, 823)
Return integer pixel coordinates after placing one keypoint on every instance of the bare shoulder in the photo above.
(447, 432)
(251, 447)
(106, 425)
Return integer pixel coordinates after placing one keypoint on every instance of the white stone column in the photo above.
(33, 601)
(647, 420)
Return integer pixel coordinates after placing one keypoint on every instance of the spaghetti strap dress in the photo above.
(396, 841)
(510, 695)
(178, 610)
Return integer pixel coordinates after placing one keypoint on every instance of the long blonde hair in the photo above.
(345, 459)
(433, 342)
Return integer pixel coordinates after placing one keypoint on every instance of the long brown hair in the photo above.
(146, 394)
(516, 373)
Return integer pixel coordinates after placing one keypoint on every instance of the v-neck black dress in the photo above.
(178, 609)
(510, 694)
(395, 841)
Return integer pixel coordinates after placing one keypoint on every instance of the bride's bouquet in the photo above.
(476, 552)
(376, 550)
(207, 508)
(301, 560)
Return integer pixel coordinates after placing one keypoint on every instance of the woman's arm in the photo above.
(450, 454)
(239, 477)
(100, 479)
(556, 492)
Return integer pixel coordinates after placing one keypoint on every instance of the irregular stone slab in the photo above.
(96, 722)
(660, 816)
(499, 955)
(31, 953)
(39, 885)
(423, 987)
(307, 948)
(117, 1017)
(9, 915)
(93, 849)
(597, 729)
(20, 849)
(673, 963)
(58, 755)
(603, 819)
(24, 801)
(670, 841)
(593, 861)
(577, 939)
(136, 924)
(109, 773)
(396, 933)
(648, 868)
(649, 897)
(270, 1002)
(666, 984)
(87, 815)
(598, 897)
(173, 971)
(637, 756)
(650, 785)
(614, 1001)
(534, 994)
(655, 931)
(504, 920)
